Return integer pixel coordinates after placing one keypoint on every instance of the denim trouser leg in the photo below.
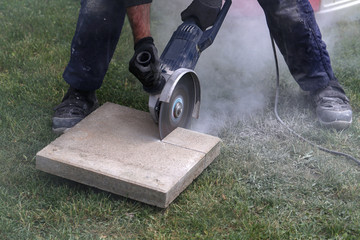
(292, 24)
(97, 33)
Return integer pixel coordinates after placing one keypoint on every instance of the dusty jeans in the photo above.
(292, 24)
(97, 33)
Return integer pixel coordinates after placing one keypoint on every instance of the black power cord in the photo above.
(288, 128)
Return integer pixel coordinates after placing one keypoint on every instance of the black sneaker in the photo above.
(332, 107)
(74, 107)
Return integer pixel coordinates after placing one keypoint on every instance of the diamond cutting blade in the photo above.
(178, 111)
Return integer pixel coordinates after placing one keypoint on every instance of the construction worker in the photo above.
(291, 22)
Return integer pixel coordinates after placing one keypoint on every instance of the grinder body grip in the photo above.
(188, 41)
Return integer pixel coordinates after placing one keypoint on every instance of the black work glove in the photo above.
(145, 65)
(203, 12)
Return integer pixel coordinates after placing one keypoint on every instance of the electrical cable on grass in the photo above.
(288, 128)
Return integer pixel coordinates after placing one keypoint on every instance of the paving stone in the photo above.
(117, 149)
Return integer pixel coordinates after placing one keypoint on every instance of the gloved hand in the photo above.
(145, 65)
(204, 12)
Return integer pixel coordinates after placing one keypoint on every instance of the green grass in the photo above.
(266, 184)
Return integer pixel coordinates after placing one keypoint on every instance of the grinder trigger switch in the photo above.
(145, 65)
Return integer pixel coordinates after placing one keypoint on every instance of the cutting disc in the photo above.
(178, 111)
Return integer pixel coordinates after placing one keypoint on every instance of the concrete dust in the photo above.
(235, 71)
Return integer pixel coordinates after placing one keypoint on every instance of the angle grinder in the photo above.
(179, 99)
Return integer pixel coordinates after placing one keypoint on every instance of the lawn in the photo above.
(266, 183)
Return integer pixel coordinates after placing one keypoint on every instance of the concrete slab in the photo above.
(117, 149)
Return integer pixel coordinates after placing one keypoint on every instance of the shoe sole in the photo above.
(60, 125)
(59, 130)
(338, 125)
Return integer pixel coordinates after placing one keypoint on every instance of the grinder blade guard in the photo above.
(179, 100)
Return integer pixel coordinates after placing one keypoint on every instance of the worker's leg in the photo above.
(293, 26)
(97, 33)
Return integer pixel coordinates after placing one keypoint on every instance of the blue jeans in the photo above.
(97, 33)
(295, 31)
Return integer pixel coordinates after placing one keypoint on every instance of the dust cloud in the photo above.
(237, 71)
(234, 71)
